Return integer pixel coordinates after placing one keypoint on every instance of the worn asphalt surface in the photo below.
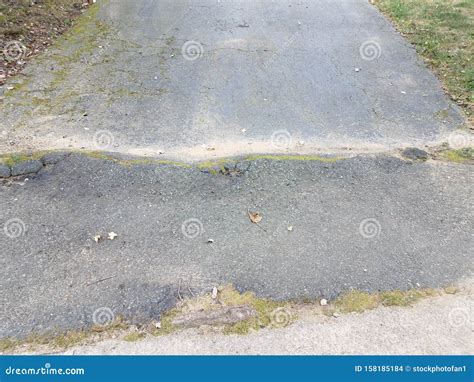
(239, 76)
(419, 235)
(269, 77)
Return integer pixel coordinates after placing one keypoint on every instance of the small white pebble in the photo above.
(214, 293)
(323, 302)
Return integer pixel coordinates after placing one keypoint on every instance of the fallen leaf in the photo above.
(112, 235)
(97, 238)
(255, 217)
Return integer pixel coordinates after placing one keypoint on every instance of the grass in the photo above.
(442, 32)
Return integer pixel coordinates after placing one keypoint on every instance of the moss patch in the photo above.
(135, 336)
(459, 156)
(61, 340)
(356, 301)
(8, 344)
(317, 158)
(13, 159)
(451, 289)
(133, 162)
(218, 166)
(405, 298)
(167, 326)
(269, 313)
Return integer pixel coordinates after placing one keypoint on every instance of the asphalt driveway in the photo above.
(198, 79)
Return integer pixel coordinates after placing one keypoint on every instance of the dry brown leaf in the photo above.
(255, 217)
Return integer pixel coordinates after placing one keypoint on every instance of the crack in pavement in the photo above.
(347, 219)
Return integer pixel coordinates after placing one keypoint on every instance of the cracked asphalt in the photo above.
(181, 77)
(191, 81)
(418, 234)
